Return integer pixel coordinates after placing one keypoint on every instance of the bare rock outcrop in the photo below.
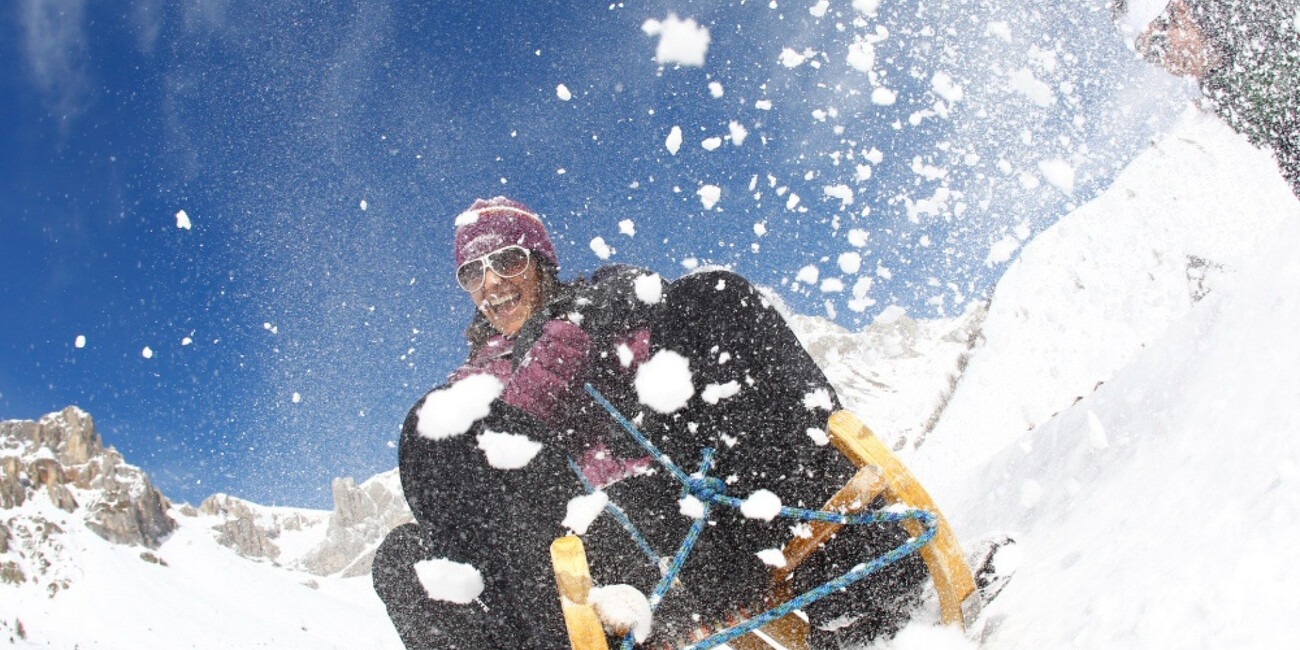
(241, 528)
(363, 515)
(64, 456)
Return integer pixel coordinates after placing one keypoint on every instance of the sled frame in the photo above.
(880, 474)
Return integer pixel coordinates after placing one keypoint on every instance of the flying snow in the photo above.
(862, 56)
(691, 507)
(449, 581)
(1002, 251)
(562, 91)
(600, 248)
(818, 399)
(762, 504)
(709, 195)
(883, 96)
(649, 288)
(1024, 82)
(772, 557)
(714, 393)
(1059, 173)
(683, 42)
(738, 133)
(453, 410)
(508, 450)
(664, 382)
(623, 607)
(582, 510)
(674, 140)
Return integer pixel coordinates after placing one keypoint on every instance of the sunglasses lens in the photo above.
(509, 262)
(470, 275)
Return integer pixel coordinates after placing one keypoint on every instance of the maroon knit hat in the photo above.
(495, 223)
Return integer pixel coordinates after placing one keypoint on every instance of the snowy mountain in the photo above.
(1124, 405)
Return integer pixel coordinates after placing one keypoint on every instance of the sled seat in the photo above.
(880, 474)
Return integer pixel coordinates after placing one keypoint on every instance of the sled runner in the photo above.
(880, 474)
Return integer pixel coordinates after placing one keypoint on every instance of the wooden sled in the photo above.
(880, 473)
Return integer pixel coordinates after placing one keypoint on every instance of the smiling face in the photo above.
(508, 303)
(1178, 45)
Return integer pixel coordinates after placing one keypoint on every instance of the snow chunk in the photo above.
(862, 56)
(850, 262)
(763, 104)
(627, 227)
(453, 410)
(1024, 82)
(715, 89)
(738, 133)
(998, 29)
(649, 288)
(792, 58)
(623, 609)
(297, 398)
(883, 96)
(763, 504)
(449, 581)
(683, 42)
(582, 510)
(945, 87)
(674, 140)
(819, 10)
(508, 450)
(772, 557)
(562, 91)
(859, 237)
(714, 393)
(664, 382)
(146, 352)
(920, 636)
(691, 507)
(712, 143)
(1002, 251)
(183, 220)
(364, 205)
(600, 248)
(818, 399)
(832, 285)
(808, 274)
(1059, 173)
(866, 7)
(819, 436)
(709, 195)
(80, 342)
(842, 192)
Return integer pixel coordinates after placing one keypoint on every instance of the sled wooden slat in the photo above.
(958, 600)
(573, 578)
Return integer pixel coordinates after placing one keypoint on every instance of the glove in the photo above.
(549, 373)
(622, 609)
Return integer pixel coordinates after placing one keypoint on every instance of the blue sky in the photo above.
(272, 123)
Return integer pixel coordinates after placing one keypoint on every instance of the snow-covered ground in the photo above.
(1160, 509)
(1128, 413)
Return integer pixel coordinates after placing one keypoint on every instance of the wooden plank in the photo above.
(952, 577)
(573, 577)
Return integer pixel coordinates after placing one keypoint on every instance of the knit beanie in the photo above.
(492, 224)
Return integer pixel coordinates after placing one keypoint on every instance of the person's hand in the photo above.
(622, 609)
(548, 374)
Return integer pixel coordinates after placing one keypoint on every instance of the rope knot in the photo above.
(705, 488)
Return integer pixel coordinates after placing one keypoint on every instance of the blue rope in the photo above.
(621, 517)
(712, 491)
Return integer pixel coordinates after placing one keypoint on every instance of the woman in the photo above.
(753, 394)
(1246, 57)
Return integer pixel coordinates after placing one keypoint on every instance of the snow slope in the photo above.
(1161, 509)
(204, 596)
